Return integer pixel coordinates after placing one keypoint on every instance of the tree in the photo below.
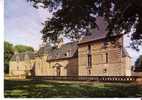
(74, 18)
(23, 48)
(8, 53)
(138, 63)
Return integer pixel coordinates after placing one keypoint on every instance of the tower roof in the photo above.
(97, 33)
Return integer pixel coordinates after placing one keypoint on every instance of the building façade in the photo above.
(90, 56)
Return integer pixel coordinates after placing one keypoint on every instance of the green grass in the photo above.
(45, 89)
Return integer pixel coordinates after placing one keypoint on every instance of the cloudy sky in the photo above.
(23, 25)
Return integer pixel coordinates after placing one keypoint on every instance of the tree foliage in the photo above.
(23, 48)
(138, 62)
(8, 52)
(74, 18)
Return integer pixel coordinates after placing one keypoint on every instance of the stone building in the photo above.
(90, 56)
(48, 61)
(100, 58)
(22, 64)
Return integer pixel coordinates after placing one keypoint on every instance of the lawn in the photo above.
(48, 89)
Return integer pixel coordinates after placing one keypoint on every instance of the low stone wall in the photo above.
(87, 78)
(8, 77)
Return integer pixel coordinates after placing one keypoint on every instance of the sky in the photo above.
(22, 25)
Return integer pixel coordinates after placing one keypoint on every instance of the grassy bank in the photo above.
(45, 89)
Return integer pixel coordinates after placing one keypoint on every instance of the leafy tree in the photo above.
(73, 18)
(8, 52)
(138, 63)
(23, 48)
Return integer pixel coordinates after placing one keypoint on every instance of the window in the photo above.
(89, 56)
(89, 49)
(68, 53)
(89, 60)
(106, 57)
(89, 71)
(65, 54)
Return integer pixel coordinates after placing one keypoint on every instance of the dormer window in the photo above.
(65, 54)
(68, 53)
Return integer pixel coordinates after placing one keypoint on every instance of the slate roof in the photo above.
(98, 33)
(23, 56)
(43, 50)
(67, 50)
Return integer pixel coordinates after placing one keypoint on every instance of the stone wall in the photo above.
(106, 61)
(41, 67)
(20, 67)
(69, 67)
(127, 64)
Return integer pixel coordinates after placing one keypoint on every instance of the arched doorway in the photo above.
(58, 66)
(58, 71)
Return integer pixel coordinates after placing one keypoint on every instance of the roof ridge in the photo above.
(70, 42)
